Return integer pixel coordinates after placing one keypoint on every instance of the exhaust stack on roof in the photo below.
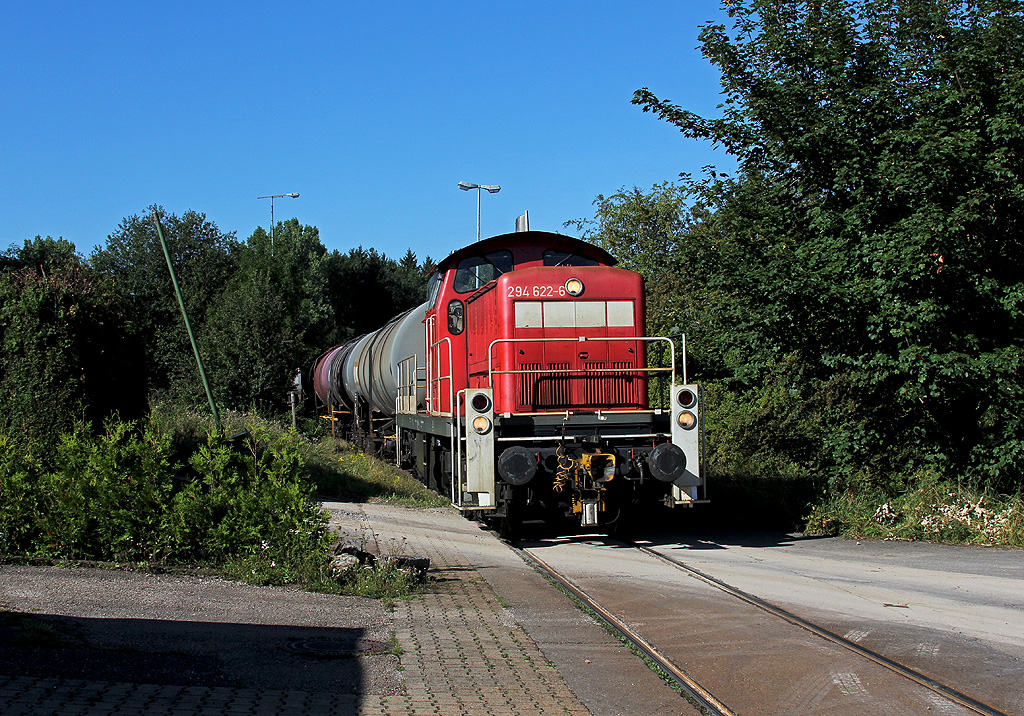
(523, 221)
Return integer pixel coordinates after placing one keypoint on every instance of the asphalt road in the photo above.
(954, 613)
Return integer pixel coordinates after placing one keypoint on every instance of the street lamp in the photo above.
(492, 188)
(272, 197)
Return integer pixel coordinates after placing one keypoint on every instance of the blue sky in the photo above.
(373, 112)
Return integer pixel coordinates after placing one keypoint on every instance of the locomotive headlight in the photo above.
(686, 398)
(686, 420)
(481, 425)
(480, 402)
(574, 287)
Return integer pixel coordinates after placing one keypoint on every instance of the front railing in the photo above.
(409, 382)
(551, 385)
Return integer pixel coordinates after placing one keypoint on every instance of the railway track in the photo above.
(698, 695)
(878, 680)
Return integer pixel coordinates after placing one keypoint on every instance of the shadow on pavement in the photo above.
(185, 653)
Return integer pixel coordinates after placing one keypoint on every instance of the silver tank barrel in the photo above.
(370, 370)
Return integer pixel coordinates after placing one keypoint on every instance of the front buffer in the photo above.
(591, 467)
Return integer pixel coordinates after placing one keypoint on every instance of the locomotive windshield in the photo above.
(564, 258)
(434, 287)
(477, 271)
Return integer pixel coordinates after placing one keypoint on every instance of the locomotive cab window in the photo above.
(477, 271)
(434, 287)
(564, 258)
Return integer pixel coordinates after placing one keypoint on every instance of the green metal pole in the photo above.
(188, 324)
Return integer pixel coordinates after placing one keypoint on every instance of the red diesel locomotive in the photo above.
(521, 389)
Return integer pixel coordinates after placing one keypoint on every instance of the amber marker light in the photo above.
(574, 287)
(481, 424)
(686, 420)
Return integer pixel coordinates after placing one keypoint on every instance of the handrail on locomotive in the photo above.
(409, 382)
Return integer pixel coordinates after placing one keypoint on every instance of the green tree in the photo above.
(368, 289)
(41, 255)
(650, 233)
(407, 281)
(274, 312)
(298, 265)
(253, 349)
(870, 239)
(204, 258)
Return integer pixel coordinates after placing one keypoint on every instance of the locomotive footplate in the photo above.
(589, 427)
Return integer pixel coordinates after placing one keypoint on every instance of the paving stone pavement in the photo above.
(464, 651)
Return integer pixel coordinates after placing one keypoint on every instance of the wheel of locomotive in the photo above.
(407, 460)
(440, 471)
(429, 465)
(503, 520)
(623, 512)
(624, 523)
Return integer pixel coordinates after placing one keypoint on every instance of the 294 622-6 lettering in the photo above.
(536, 291)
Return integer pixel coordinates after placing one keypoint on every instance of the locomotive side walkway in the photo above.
(490, 637)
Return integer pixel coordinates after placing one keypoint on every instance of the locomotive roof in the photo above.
(545, 239)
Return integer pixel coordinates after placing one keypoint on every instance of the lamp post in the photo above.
(492, 188)
(272, 197)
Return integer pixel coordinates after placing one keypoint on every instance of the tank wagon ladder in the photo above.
(406, 402)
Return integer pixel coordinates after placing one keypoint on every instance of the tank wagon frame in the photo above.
(522, 389)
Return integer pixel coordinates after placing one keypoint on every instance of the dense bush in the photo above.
(65, 351)
(84, 345)
(337, 469)
(927, 508)
(120, 495)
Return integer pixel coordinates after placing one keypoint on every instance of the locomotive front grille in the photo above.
(593, 386)
(555, 389)
(557, 386)
(528, 385)
(623, 386)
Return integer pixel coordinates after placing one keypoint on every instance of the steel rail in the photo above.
(704, 698)
(928, 682)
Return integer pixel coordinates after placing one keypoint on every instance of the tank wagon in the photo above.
(521, 388)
